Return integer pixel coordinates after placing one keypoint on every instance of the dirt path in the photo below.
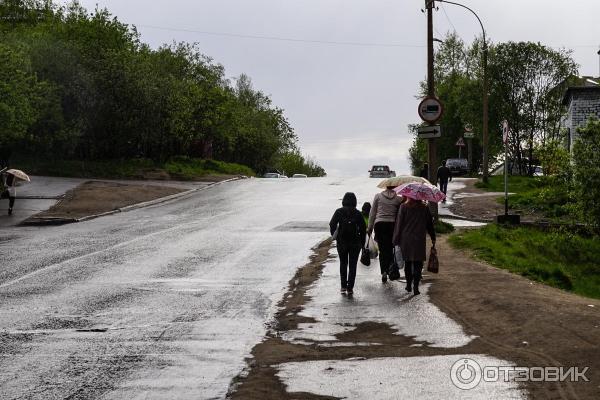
(96, 197)
(514, 319)
(476, 204)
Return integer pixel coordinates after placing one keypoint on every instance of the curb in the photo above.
(46, 221)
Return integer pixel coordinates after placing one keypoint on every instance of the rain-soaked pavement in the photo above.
(166, 302)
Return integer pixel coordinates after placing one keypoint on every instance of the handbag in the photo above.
(433, 265)
(365, 257)
(394, 270)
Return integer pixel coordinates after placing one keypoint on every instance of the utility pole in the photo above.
(431, 144)
(485, 111)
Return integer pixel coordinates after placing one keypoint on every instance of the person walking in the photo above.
(413, 223)
(8, 190)
(424, 173)
(381, 220)
(443, 176)
(350, 226)
(365, 211)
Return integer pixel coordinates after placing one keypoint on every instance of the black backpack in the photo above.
(348, 230)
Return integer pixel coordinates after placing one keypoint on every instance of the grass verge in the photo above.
(546, 195)
(182, 168)
(442, 227)
(563, 260)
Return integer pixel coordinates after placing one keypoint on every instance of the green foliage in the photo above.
(524, 88)
(586, 166)
(183, 168)
(293, 162)
(560, 259)
(552, 196)
(442, 227)
(192, 168)
(554, 157)
(81, 86)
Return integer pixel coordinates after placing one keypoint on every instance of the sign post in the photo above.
(460, 143)
(505, 131)
(469, 135)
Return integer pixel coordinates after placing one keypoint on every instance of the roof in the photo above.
(578, 84)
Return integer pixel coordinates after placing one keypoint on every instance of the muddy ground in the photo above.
(514, 319)
(96, 197)
(477, 204)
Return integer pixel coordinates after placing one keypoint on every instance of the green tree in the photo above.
(586, 166)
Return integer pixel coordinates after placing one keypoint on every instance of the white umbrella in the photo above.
(400, 180)
(17, 173)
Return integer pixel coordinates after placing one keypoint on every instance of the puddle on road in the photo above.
(390, 304)
(392, 378)
(303, 226)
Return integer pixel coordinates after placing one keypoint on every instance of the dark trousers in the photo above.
(348, 260)
(444, 186)
(11, 200)
(384, 232)
(412, 271)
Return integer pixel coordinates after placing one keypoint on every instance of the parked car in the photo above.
(272, 175)
(299, 176)
(381, 171)
(458, 166)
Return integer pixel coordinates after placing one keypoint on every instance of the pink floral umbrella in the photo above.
(421, 191)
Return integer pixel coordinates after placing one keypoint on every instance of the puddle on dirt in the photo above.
(390, 304)
(460, 223)
(392, 378)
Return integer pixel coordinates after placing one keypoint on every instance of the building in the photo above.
(582, 99)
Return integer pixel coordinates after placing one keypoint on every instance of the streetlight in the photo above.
(485, 92)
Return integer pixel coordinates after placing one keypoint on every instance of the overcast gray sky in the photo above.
(350, 104)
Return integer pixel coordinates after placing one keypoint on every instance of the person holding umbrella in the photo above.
(413, 222)
(9, 184)
(348, 227)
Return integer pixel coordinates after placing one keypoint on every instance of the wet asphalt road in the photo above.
(162, 302)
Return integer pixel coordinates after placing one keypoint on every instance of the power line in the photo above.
(447, 17)
(284, 39)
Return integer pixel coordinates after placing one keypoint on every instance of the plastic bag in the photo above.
(373, 248)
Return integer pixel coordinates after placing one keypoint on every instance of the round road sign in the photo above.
(430, 109)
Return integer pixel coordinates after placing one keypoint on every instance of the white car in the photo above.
(272, 175)
(299, 176)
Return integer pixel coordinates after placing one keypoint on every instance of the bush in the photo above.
(586, 166)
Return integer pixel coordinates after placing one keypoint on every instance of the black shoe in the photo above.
(383, 278)
(416, 292)
(10, 211)
(408, 288)
(343, 290)
(349, 292)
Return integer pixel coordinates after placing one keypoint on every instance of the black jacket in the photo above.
(444, 174)
(358, 219)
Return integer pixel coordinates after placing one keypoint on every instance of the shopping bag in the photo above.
(373, 248)
(433, 265)
(394, 269)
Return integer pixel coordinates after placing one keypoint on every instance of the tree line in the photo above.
(81, 85)
(526, 85)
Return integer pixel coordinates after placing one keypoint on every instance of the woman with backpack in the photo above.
(348, 228)
(381, 219)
